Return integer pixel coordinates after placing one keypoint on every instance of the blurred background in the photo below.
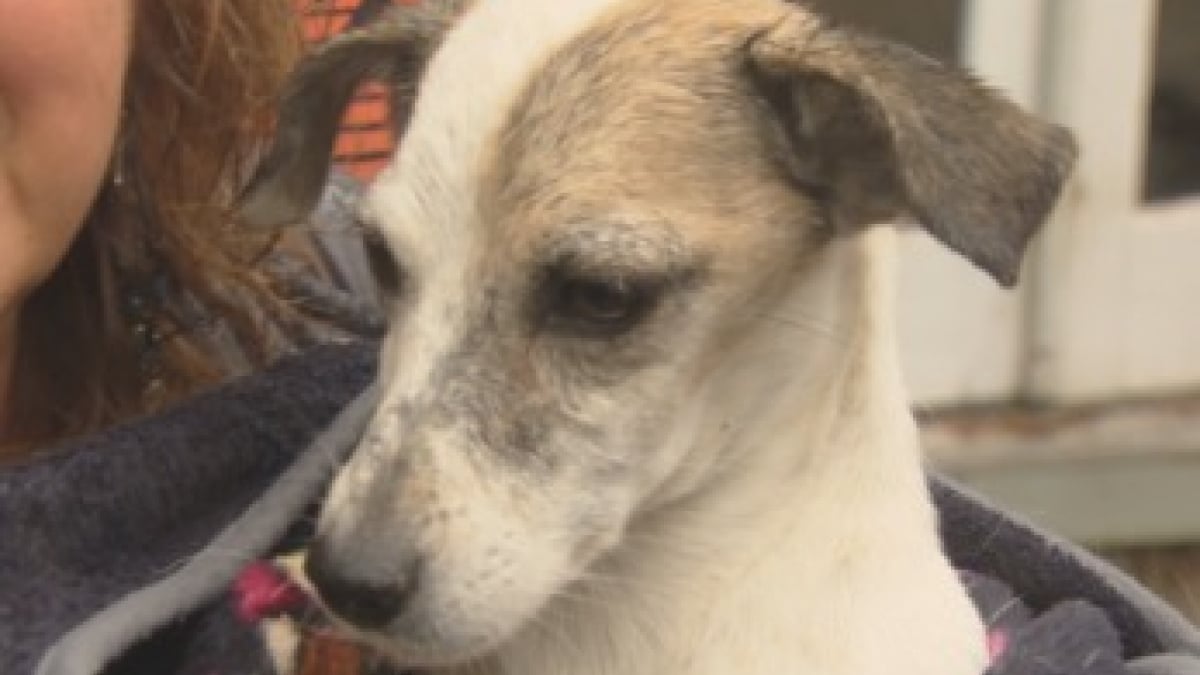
(1075, 399)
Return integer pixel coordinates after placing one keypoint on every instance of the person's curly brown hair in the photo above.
(119, 327)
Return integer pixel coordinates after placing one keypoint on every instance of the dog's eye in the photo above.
(383, 264)
(598, 307)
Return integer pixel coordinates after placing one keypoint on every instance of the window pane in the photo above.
(931, 26)
(1173, 161)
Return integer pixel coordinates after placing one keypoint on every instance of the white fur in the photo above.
(795, 537)
(816, 552)
(472, 82)
(481, 68)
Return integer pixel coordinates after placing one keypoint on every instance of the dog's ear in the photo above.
(878, 131)
(393, 49)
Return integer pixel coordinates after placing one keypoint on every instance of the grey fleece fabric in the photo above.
(88, 523)
(251, 535)
(126, 520)
(1044, 570)
(1166, 664)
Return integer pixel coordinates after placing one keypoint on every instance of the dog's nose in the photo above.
(366, 604)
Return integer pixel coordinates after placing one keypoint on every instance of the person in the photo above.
(126, 284)
(125, 129)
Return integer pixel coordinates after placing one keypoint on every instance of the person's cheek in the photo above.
(62, 65)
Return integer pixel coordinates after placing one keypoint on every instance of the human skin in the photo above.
(62, 71)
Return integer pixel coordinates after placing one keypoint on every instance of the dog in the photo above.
(641, 409)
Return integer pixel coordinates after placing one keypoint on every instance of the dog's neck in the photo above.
(803, 540)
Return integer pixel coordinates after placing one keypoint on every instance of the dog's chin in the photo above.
(405, 649)
(454, 622)
(403, 655)
(435, 636)
(432, 636)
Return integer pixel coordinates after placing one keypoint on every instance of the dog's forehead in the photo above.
(535, 105)
(468, 88)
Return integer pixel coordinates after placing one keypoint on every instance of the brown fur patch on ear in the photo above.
(394, 48)
(880, 130)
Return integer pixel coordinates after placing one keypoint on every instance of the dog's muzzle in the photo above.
(364, 603)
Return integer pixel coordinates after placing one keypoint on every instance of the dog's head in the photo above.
(598, 210)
